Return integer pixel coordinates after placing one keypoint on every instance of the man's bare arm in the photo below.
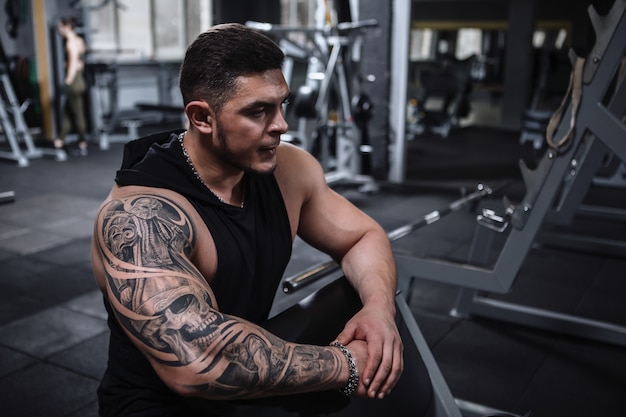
(168, 310)
(329, 222)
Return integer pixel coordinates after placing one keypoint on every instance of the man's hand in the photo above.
(384, 349)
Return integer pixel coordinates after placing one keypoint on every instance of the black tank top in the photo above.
(253, 248)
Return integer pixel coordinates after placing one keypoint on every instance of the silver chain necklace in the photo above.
(195, 172)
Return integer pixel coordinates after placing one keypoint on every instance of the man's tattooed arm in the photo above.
(168, 310)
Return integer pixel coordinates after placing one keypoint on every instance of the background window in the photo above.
(146, 29)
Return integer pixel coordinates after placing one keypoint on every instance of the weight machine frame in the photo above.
(554, 192)
(14, 126)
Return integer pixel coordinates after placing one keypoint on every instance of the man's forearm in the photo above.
(217, 356)
(370, 267)
(248, 362)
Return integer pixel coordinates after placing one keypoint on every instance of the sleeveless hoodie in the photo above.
(253, 248)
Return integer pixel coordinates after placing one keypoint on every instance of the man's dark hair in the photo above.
(218, 56)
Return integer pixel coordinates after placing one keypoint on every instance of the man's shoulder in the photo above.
(293, 159)
(295, 163)
(289, 148)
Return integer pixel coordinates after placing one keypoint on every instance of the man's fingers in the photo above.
(387, 372)
(381, 376)
(378, 367)
(396, 370)
(392, 378)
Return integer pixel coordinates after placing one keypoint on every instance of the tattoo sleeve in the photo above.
(168, 309)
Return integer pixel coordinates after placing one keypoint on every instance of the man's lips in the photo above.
(268, 149)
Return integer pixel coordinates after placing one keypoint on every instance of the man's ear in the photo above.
(200, 115)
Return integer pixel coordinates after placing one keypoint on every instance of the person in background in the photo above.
(74, 87)
(191, 244)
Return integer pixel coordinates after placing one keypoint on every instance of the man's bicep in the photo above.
(325, 218)
(331, 223)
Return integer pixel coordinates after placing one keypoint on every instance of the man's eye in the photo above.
(257, 112)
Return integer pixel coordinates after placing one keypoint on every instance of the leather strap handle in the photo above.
(574, 92)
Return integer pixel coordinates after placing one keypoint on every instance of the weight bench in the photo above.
(149, 114)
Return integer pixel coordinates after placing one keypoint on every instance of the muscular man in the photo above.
(194, 238)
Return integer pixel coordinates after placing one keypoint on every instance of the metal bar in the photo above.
(436, 215)
(445, 404)
(400, 39)
(309, 276)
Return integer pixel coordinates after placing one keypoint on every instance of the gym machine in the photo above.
(329, 96)
(590, 125)
(116, 82)
(13, 124)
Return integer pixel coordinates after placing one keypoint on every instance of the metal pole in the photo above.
(401, 27)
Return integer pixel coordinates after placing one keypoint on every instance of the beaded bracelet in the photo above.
(353, 379)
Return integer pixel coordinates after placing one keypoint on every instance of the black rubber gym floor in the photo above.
(52, 324)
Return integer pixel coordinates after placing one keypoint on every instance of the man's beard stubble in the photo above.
(228, 156)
